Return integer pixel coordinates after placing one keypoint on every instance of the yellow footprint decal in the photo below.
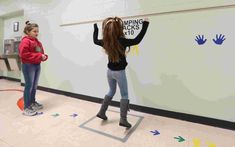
(196, 142)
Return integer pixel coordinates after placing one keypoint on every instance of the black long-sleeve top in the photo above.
(121, 65)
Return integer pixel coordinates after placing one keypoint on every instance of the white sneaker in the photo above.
(29, 111)
(36, 106)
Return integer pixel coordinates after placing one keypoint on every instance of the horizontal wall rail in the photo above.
(153, 14)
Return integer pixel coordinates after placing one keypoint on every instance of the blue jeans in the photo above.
(119, 77)
(31, 74)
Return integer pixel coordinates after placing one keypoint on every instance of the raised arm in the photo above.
(95, 36)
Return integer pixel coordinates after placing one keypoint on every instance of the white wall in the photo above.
(6, 23)
(169, 72)
(8, 27)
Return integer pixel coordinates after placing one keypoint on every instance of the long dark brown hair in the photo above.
(112, 31)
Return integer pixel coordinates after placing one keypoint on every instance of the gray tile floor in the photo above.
(85, 130)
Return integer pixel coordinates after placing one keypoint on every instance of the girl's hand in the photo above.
(95, 26)
(44, 57)
(146, 19)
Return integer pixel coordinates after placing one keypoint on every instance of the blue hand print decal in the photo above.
(219, 39)
(200, 39)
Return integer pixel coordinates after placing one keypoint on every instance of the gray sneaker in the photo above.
(29, 111)
(36, 106)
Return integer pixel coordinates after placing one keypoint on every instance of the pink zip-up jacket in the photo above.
(31, 50)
